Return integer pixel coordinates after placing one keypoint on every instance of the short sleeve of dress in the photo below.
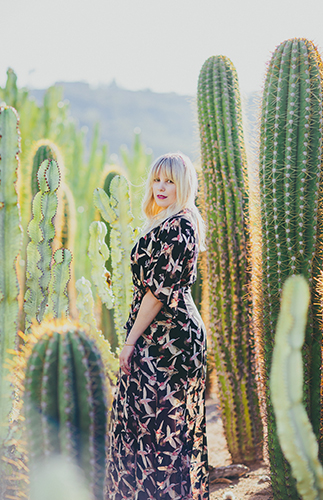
(172, 262)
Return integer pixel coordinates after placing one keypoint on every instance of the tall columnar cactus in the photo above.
(290, 172)
(65, 400)
(10, 242)
(117, 214)
(224, 165)
(286, 385)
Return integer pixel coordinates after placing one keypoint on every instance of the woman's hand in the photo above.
(125, 358)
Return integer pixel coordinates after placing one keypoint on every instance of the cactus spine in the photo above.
(10, 242)
(122, 238)
(65, 401)
(224, 163)
(294, 430)
(290, 170)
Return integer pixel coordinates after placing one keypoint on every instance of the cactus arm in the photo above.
(60, 276)
(295, 432)
(41, 232)
(85, 305)
(99, 254)
(10, 242)
(33, 295)
(102, 203)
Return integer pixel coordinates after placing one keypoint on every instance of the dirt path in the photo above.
(253, 486)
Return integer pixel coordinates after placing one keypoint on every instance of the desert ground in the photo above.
(254, 485)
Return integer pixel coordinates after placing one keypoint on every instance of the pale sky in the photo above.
(155, 44)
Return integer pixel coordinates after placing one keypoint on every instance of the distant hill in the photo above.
(168, 121)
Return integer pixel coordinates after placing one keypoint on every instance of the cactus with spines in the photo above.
(41, 231)
(58, 303)
(10, 243)
(224, 168)
(294, 429)
(42, 150)
(65, 400)
(85, 305)
(99, 254)
(290, 162)
(122, 238)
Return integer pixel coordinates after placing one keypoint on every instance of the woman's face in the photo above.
(164, 191)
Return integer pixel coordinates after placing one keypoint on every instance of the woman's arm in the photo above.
(149, 308)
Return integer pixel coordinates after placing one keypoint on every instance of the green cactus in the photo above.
(65, 400)
(224, 165)
(122, 238)
(41, 232)
(85, 305)
(137, 164)
(58, 303)
(42, 150)
(99, 254)
(10, 243)
(294, 429)
(290, 169)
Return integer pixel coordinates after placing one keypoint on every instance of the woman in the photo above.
(157, 435)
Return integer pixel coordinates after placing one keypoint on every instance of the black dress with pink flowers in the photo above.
(157, 440)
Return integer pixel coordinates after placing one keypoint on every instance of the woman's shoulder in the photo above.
(181, 222)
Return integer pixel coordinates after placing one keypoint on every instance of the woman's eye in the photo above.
(156, 179)
(170, 181)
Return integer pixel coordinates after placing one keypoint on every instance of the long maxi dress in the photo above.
(157, 439)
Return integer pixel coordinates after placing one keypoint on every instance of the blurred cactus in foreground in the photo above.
(65, 400)
(290, 167)
(224, 168)
(294, 429)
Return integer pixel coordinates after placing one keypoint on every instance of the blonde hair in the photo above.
(179, 169)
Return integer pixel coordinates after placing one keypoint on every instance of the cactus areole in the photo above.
(65, 402)
(290, 182)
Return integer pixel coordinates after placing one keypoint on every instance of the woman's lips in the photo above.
(161, 197)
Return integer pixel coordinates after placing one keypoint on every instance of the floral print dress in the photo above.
(157, 440)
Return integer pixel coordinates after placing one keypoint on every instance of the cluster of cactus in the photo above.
(50, 124)
(294, 429)
(224, 165)
(47, 277)
(289, 173)
(65, 401)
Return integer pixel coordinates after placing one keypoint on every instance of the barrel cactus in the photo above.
(65, 399)
(290, 182)
(224, 166)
